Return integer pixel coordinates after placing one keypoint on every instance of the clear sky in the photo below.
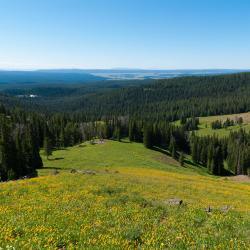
(165, 34)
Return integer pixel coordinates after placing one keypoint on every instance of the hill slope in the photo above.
(123, 205)
(112, 154)
(205, 124)
(166, 99)
(206, 129)
(172, 98)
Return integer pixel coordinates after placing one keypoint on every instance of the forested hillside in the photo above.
(174, 98)
(168, 99)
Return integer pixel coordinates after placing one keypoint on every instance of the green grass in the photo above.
(205, 128)
(113, 154)
(124, 205)
(205, 125)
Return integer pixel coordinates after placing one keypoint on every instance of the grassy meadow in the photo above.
(114, 154)
(205, 128)
(123, 205)
(205, 124)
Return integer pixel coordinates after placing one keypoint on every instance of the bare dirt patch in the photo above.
(240, 178)
(97, 141)
(167, 160)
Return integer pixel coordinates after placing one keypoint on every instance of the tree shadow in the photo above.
(62, 149)
(124, 141)
(226, 172)
(57, 168)
(56, 159)
(161, 150)
(189, 162)
(165, 152)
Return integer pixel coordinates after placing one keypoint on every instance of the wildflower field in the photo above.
(123, 205)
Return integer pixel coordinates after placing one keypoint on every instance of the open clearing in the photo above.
(123, 205)
(205, 124)
(113, 154)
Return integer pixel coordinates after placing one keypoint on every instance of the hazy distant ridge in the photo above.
(93, 75)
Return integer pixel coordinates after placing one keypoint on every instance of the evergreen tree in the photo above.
(217, 166)
(47, 147)
(181, 159)
(147, 137)
(172, 147)
(131, 135)
(117, 133)
(62, 138)
(194, 149)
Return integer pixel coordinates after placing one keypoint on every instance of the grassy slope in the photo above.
(205, 124)
(114, 154)
(123, 205)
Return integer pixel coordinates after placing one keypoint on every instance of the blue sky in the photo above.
(165, 34)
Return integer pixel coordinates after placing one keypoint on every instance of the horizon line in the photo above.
(121, 68)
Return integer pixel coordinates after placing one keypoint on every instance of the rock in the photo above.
(174, 201)
(208, 209)
(55, 172)
(90, 172)
(225, 209)
(31, 175)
